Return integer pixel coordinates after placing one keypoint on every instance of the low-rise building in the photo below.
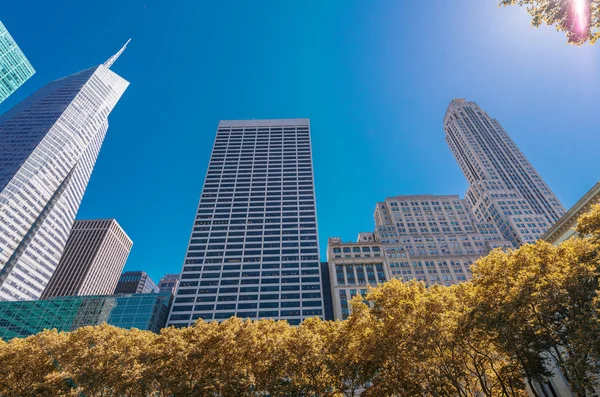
(142, 311)
(353, 267)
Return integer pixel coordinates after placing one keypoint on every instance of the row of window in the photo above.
(337, 250)
(251, 297)
(251, 314)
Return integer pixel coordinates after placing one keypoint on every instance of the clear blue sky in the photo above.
(374, 77)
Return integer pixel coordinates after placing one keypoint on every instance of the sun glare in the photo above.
(579, 9)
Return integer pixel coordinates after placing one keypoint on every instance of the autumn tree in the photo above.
(427, 346)
(28, 367)
(579, 19)
(540, 304)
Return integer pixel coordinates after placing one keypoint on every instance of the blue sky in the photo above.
(374, 77)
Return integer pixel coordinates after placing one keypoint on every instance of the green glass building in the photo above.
(15, 69)
(141, 311)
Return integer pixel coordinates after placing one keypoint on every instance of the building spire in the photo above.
(112, 59)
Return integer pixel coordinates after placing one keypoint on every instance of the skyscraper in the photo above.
(169, 283)
(92, 261)
(48, 147)
(135, 282)
(504, 187)
(253, 251)
(15, 69)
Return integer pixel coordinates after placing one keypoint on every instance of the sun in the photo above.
(580, 11)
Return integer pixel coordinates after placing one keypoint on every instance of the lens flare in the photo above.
(580, 14)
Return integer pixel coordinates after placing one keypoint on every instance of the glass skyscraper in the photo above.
(141, 311)
(48, 147)
(15, 69)
(504, 187)
(253, 252)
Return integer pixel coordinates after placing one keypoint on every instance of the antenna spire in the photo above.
(112, 59)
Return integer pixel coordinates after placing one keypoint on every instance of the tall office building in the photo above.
(92, 261)
(169, 283)
(48, 147)
(135, 282)
(15, 69)
(504, 187)
(253, 251)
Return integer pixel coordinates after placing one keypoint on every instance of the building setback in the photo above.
(433, 239)
(48, 147)
(504, 188)
(253, 252)
(92, 261)
(15, 69)
(135, 282)
(141, 311)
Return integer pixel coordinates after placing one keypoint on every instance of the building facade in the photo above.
(142, 311)
(253, 252)
(434, 239)
(353, 267)
(15, 69)
(135, 282)
(169, 283)
(48, 147)
(92, 261)
(504, 188)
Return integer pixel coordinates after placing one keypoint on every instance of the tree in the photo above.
(104, 361)
(579, 19)
(540, 304)
(349, 345)
(29, 367)
(426, 344)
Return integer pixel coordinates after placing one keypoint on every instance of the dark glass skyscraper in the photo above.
(253, 251)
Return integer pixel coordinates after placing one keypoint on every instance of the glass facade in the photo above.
(15, 69)
(253, 252)
(50, 142)
(141, 311)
